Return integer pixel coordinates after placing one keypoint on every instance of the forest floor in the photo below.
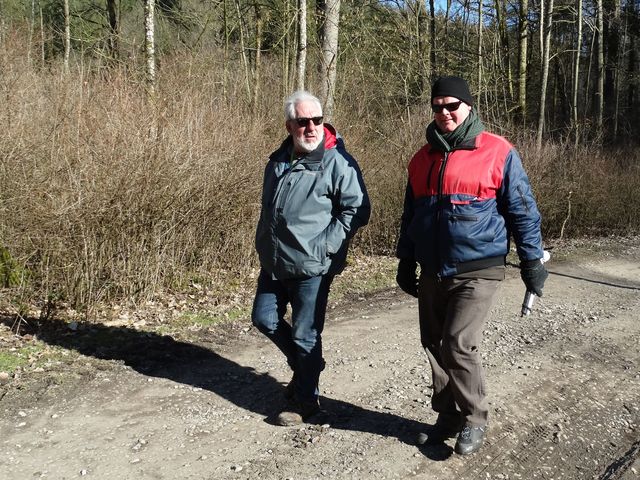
(117, 401)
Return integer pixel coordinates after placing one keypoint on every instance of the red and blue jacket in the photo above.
(461, 207)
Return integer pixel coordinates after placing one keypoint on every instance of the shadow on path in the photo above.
(161, 356)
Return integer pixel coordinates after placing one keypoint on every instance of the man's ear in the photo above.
(287, 126)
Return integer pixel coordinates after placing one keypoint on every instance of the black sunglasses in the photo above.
(304, 121)
(451, 107)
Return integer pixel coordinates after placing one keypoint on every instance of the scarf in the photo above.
(468, 130)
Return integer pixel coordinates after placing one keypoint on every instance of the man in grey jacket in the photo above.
(313, 201)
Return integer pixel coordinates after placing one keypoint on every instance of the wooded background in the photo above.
(136, 132)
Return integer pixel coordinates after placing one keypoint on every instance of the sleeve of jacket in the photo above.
(351, 206)
(519, 208)
(405, 248)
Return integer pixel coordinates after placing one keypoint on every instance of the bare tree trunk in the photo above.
(523, 30)
(592, 52)
(257, 71)
(612, 30)
(330, 33)
(618, 86)
(423, 46)
(632, 71)
(150, 46)
(541, 31)
(600, 71)
(301, 59)
(504, 42)
(225, 67)
(42, 44)
(545, 71)
(576, 73)
(432, 29)
(293, 49)
(31, 29)
(67, 36)
(112, 42)
(286, 45)
(243, 52)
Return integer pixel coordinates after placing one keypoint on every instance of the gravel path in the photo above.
(564, 385)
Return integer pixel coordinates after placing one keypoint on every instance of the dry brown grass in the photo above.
(104, 196)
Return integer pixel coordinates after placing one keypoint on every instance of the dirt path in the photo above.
(564, 386)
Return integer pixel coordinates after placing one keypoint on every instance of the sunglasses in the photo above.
(304, 121)
(451, 107)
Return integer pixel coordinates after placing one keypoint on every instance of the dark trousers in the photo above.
(452, 313)
(300, 340)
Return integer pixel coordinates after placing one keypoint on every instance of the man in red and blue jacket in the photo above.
(467, 194)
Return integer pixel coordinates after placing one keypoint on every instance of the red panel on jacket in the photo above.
(477, 172)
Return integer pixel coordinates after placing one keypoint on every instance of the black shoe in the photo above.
(298, 413)
(446, 426)
(470, 440)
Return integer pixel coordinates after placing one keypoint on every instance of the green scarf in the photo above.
(468, 130)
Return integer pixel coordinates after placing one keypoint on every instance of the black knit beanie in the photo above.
(452, 87)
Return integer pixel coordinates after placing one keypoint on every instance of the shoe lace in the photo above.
(466, 433)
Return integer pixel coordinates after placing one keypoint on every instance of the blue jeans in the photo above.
(300, 341)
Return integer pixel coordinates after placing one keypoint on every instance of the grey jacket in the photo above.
(310, 210)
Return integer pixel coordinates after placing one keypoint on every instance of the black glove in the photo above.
(533, 275)
(406, 277)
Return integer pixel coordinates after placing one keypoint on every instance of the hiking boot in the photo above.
(446, 426)
(298, 413)
(470, 440)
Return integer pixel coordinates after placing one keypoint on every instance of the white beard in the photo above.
(307, 146)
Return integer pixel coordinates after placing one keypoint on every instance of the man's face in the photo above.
(306, 135)
(448, 120)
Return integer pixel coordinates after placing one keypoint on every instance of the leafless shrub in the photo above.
(97, 209)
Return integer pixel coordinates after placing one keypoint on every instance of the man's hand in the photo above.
(406, 277)
(533, 275)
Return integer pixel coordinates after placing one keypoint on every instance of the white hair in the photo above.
(294, 99)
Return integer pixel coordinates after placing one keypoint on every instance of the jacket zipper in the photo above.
(440, 195)
(440, 183)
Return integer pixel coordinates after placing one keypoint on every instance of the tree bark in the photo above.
(67, 36)
(504, 42)
(301, 58)
(257, 69)
(576, 73)
(150, 46)
(432, 29)
(600, 68)
(612, 38)
(523, 30)
(330, 33)
(112, 41)
(243, 53)
(545, 71)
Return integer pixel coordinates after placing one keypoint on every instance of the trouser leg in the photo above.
(300, 341)
(269, 308)
(432, 315)
(453, 332)
(308, 309)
